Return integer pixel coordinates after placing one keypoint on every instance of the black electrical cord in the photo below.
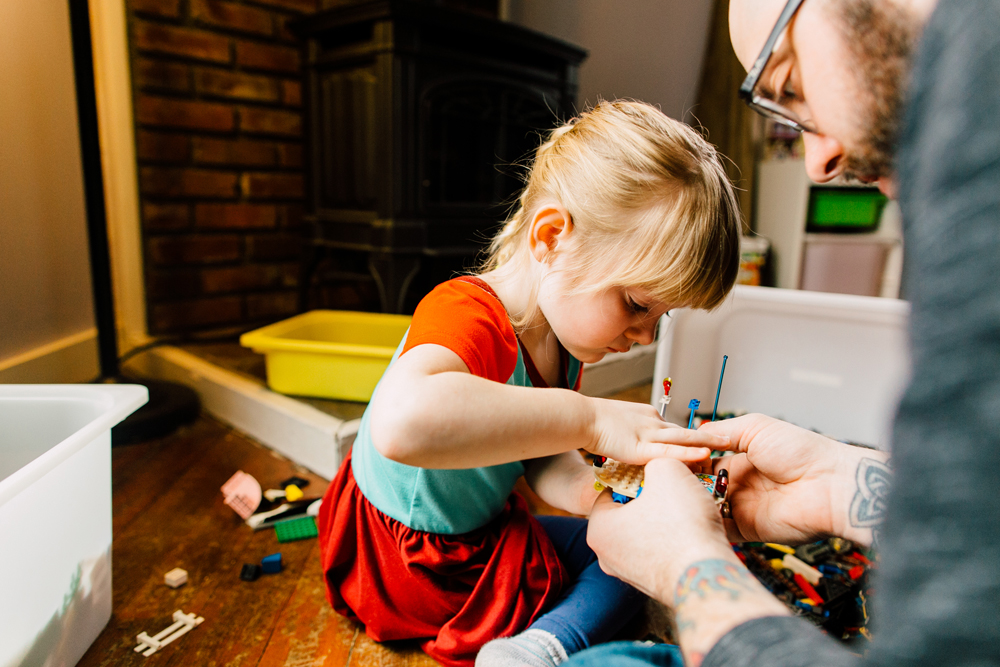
(170, 405)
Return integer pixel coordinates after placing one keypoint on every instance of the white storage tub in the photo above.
(831, 362)
(55, 517)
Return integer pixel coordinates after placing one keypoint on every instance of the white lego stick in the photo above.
(665, 398)
(811, 574)
(183, 624)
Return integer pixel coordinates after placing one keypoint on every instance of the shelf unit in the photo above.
(781, 213)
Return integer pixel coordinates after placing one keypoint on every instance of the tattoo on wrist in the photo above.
(707, 578)
(712, 576)
(868, 506)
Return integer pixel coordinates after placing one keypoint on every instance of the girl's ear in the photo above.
(551, 225)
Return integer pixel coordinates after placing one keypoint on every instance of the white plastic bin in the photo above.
(831, 362)
(55, 517)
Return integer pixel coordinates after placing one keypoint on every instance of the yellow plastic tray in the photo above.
(328, 353)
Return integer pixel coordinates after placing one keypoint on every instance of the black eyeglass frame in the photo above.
(762, 105)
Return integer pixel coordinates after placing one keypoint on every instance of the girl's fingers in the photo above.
(689, 436)
(686, 454)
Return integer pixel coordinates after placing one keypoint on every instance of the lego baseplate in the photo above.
(627, 479)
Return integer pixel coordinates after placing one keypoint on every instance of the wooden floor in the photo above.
(168, 512)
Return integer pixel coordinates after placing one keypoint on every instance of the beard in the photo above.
(881, 37)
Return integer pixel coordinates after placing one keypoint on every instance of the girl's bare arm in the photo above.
(429, 411)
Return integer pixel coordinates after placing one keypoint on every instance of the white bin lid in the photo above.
(830, 362)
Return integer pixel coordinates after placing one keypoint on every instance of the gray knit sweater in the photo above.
(937, 596)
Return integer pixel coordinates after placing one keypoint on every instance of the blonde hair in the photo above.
(650, 203)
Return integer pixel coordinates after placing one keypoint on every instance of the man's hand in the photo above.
(672, 523)
(670, 543)
(791, 486)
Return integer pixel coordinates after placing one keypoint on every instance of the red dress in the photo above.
(453, 593)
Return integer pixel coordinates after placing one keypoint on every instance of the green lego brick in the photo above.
(297, 529)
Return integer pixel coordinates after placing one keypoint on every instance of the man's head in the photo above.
(842, 66)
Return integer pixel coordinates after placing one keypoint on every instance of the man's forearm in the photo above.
(712, 597)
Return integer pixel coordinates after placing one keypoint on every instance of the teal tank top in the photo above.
(439, 501)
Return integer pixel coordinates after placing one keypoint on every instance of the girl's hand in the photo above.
(564, 481)
(635, 433)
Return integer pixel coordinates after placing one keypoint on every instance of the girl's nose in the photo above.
(643, 333)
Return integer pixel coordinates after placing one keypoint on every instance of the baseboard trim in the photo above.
(68, 360)
(304, 434)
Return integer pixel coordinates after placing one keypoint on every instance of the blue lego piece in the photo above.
(619, 497)
(271, 564)
(692, 406)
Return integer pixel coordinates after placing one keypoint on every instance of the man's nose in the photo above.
(824, 157)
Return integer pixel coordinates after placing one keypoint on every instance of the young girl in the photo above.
(626, 214)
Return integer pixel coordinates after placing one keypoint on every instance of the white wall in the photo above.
(46, 305)
(650, 50)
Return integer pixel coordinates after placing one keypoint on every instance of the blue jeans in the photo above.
(596, 605)
(628, 654)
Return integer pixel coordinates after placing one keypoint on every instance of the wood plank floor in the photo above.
(168, 512)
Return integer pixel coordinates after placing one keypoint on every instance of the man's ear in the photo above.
(550, 226)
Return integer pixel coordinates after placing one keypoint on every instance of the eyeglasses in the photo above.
(761, 102)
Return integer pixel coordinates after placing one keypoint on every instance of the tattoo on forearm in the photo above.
(705, 578)
(868, 505)
(708, 576)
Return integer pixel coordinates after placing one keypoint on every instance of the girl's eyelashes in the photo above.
(634, 306)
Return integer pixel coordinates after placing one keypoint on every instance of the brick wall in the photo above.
(219, 140)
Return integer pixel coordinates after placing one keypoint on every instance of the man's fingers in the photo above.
(600, 515)
(669, 470)
(733, 533)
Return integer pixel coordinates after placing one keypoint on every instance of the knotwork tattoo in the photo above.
(868, 506)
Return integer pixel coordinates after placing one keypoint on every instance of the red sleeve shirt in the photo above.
(465, 316)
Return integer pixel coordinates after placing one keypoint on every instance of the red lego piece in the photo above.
(808, 589)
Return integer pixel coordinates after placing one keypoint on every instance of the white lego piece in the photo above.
(256, 521)
(175, 578)
(664, 402)
(811, 574)
(314, 508)
(623, 478)
(183, 624)
(274, 494)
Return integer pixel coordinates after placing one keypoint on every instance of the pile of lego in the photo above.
(825, 582)
(286, 509)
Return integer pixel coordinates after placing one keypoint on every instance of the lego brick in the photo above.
(243, 494)
(271, 564)
(300, 482)
(250, 572)
(296, 529)
(175, 578)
